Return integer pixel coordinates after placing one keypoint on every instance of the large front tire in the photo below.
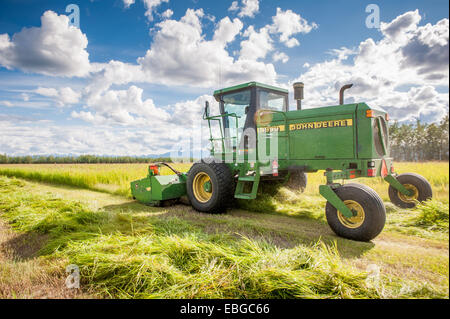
(210, 187)
(368, 209)
(416, 183)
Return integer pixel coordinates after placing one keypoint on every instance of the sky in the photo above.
(132, 77)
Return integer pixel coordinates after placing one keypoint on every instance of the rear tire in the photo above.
(221, 180)
(369, 213)
(415, 182)
(297, 181)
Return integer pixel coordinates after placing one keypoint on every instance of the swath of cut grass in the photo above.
(434, 215)
(115, 179)
(192, 267)
(128, 256)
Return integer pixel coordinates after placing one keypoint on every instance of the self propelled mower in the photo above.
(262, 141)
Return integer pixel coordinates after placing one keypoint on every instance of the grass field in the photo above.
(277, 246)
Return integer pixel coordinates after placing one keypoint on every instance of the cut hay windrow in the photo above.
(123, 255)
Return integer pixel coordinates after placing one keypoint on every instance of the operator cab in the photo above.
(238, 105)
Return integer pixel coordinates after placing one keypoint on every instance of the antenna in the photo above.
(220, 75)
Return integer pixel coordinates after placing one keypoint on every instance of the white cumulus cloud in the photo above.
(62, 96)
(150, 6)
(249, 8)
(288, 23)
(167, 14)
(128, 3)
(257, 45)
(234, 6)
(181, 54)
(55, 48)
(280, 56)
(400, 72)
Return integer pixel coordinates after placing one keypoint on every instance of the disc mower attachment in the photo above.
(155, 188)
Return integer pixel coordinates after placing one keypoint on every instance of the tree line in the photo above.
(83, 159)
(420, 142)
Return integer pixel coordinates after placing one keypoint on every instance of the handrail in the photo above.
(220, 115)
(170, 167)
(219, 118)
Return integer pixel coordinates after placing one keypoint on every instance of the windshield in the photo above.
(237, 103)
(380, 138)
(272, 101)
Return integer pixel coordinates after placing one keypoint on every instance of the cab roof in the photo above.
(246, 85)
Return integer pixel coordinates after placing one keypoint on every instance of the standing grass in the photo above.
(110, 178)
(116, 178)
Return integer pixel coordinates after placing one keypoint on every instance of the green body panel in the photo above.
(140, 190)
(339, 137)
(326, 137)
(155, 188)
(319, 140)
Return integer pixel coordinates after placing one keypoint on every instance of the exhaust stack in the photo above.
(298, 94)
(341, 93)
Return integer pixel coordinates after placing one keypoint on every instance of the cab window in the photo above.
(237, 103)
(272, 101)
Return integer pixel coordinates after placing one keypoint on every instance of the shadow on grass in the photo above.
(24, 246)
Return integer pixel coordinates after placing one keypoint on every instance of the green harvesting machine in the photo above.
(260, 141)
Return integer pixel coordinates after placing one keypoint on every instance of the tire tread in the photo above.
(424, 187)
(367, 197)
(224, 185)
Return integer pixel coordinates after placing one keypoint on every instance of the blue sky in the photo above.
(136, 70)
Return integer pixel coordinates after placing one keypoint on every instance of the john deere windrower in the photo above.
(261, 141)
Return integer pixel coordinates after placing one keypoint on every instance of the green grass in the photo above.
(124, 254)
(279, 247)
(115, 179)
(433, 216)
(110, 178)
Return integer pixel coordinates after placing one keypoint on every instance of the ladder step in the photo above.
(246, 179)
(245, 196)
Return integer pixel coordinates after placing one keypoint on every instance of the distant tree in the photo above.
(420, 142)
(82, 159)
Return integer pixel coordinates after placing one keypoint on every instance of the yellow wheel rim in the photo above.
(199, 188)
(358, 215)
(413, 197)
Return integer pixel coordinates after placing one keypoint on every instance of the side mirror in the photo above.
(247, 108)
(206, 109)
